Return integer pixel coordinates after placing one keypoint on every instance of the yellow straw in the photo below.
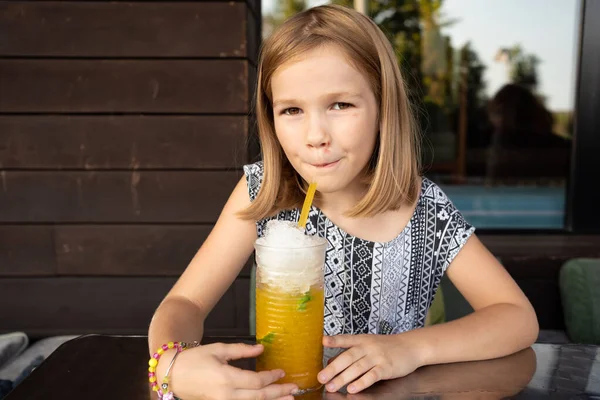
(310, 195)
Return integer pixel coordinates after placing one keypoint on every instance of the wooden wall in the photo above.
(123, 127)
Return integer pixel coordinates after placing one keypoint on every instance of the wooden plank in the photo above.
(101, 250)
(128, 86)
(535, 245)
(115, 196)
(127, 250)
(55, 306)
(122, 142)
(103, 29)
(27, 251)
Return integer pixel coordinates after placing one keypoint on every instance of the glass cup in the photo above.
(289, 311)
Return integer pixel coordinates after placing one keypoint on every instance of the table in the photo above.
(106, 367)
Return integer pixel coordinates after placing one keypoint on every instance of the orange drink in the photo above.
(289, 310)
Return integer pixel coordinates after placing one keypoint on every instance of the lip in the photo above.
(326, 165)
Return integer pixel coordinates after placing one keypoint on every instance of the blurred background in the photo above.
(124, 126)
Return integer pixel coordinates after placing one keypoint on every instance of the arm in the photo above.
(498, 378)
(181, 315)
(503, 323)
(204, 372)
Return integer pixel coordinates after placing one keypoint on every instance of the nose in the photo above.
(317, 132)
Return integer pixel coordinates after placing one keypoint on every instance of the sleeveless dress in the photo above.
(381, 288)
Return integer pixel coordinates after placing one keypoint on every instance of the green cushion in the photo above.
(436, 313)
(455, 305)
(579, 289)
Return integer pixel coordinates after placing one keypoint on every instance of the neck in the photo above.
(340, 202)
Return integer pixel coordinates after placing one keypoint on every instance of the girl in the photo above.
(331, 106)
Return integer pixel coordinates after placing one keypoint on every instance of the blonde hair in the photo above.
(393, 171)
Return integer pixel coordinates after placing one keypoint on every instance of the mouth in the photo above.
(326, 165)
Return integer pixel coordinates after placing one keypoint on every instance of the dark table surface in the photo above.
(115, 367)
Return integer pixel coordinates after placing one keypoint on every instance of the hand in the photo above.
(202, 373)
(496, 378)
(369, 358)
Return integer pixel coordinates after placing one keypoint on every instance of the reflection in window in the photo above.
(494, 83)
(503, 154)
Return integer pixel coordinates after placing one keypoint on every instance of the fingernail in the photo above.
(322, 378)
(295, 391)
(282, 374)
(330, 387)
(351, 388)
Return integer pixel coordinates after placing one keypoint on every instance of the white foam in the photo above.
(289, 259)
(286, 234)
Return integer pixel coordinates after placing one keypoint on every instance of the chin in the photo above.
(330, 184)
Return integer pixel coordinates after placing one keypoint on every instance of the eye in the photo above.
(341, 106)
(291, 111)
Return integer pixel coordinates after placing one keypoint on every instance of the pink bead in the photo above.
(151, 374)
(165, 347)
(168, 396)
(156, 355)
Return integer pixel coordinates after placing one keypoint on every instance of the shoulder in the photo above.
(433, 197)
(254, 176)
(431, 193)
(254, 169)
(445, 224)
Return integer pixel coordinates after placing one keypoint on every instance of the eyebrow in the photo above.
(280, 102)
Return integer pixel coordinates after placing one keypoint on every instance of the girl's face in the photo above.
(325, 117)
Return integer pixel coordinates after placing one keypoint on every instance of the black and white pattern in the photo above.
(382, 288)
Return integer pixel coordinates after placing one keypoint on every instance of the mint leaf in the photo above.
(268, 339)
(303, 300)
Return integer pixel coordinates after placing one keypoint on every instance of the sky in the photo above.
(547, 28)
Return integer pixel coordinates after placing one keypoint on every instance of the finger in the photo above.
(235, 351)
(270, 392)
(343, 361)
(343, 341)
(357, 369)
(243, 379)
(372, 376)
(331, 359)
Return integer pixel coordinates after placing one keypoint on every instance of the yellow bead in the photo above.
(152, 379)
(166, 379)
(151, 369)
(160, 351)
(153, 362)
(155, 388)
(171, 345)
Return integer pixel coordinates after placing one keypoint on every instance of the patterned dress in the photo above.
(382, 288)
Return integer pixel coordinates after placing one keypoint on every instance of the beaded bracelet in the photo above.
(163, 391)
